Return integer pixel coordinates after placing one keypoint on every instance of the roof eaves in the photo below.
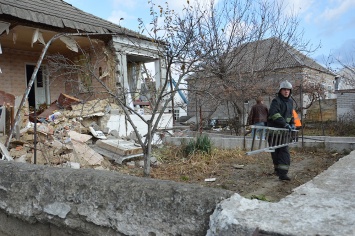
(69, 17)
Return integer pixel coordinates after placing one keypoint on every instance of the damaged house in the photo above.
(115, 56)
(27, 25)
(251, 70)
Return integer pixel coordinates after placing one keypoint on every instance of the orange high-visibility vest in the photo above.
(296, 119)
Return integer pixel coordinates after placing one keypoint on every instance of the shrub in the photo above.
(201, 144)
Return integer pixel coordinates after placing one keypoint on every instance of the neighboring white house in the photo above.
(345, 93)
(345, 79)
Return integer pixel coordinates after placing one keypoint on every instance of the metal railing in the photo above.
(267, 139)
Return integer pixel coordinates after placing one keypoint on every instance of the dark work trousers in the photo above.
(281, 159)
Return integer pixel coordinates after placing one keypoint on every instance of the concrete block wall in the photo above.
(329, 111)
(93, 202)
(345, 104)
(338, 144)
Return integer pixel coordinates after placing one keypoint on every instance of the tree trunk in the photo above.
(147, 151)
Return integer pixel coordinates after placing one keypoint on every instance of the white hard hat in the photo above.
(286, 85)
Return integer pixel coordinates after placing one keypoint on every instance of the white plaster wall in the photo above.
(117, 122)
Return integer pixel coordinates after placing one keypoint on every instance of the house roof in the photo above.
(272, 54)
(347, 72)
(59, 14)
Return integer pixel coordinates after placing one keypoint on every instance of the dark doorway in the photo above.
(38, 84)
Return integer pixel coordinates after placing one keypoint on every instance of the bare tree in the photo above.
(212, 42)
(222, 48)
(175, 41)
(347, 72)
(236, 55)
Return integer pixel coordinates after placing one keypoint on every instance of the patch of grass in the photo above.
(261, 197)
(201, 144)
(185, 178)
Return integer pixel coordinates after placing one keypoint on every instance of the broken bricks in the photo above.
(63, 133)
(66, 101)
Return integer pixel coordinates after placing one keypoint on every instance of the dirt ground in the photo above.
(250, 176)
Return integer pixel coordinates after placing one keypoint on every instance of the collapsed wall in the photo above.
(92, 202)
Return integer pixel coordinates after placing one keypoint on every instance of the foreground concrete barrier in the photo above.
(322, 206)
(39, 200)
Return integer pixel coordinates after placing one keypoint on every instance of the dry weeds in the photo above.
(250, 176)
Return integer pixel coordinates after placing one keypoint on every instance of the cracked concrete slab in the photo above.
(120, 147)
(323, 206)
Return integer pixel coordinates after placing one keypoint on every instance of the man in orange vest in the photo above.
(296, 120)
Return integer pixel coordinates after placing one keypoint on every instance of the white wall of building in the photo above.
(118, 122)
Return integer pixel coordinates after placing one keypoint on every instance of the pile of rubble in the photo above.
(68, 133)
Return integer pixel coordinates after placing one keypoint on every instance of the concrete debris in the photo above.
(115, 157)
(66, 134)
(120, 147)
(131, 164)
(114, 133)
(44, 129)
(238, 166)
(18, 152)
(85, 155)
(6, 154)
(97, 133)
(82, 138)
(76, 134)
(210, 180)
(97, 107)
(73, 165)
(153, 162)
(21, 159)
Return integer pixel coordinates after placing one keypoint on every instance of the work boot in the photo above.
(284, 177)
(283, 174)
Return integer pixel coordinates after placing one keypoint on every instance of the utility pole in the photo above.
(301, 102)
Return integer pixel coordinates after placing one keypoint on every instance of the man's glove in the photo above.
(287, 126)
(293, 126)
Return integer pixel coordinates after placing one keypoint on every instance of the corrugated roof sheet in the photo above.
(58, 13)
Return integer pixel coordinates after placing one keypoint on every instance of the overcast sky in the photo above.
(328, 22)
